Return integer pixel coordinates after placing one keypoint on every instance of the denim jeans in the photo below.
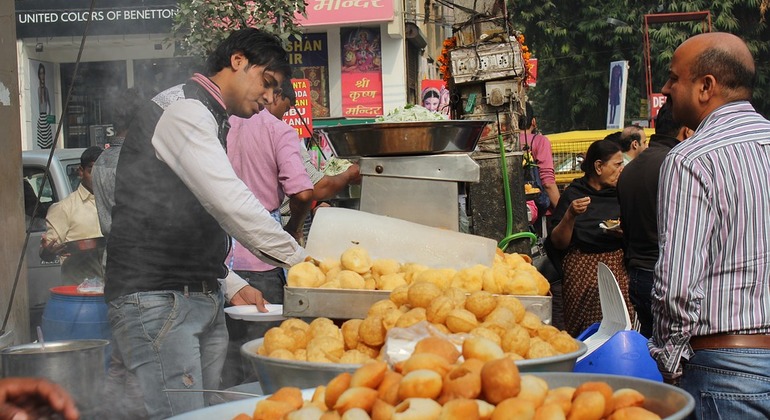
(171, 341)
(729, 383)
(640, 292)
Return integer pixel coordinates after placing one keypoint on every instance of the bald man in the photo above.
(711, 297)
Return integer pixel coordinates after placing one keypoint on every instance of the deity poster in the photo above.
(309, 59)
(361, 72)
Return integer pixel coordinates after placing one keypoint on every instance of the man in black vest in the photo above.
(177, 201)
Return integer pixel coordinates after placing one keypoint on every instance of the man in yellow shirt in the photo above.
(72, 219)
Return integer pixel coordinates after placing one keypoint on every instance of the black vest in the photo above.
(162, 237)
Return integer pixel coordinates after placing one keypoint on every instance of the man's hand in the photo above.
(249, 296)
(30, 398)
(50, 249)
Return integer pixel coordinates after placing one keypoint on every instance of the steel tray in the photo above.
(404, 138)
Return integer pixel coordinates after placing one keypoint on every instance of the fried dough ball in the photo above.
(355, 357)
(324, 349)
(539, 348)
(410, 270)
(383, 266)
(282, 354)
(331, 415)
(369, 375)
(487, 333)
(461, 409)
(370, 283)
(390, 318)
(321, 327)
(356, 397)
(400, 295)
(516, 340)
(350, 280)
(514, 408)
(371, 331)
(381, 410)
(461, 320)
(481, 303)
(441, 328)
(349, 331)
(268, 409)
(561, 396)
(602, 388)
(438, 309)
(633, 413)
(300, 337)
(587, 405)
(543, 286)
(318, 397)
(417, 409)
(501, 316)
(457, 295)
(412, 317)
(261, 350)
(441, 277)
(310, 412)
(290, 395)
(469, 278)
(332, 284)
(494, 278)
(546, 331)
(534, 389)
(300, 354)
(356, 414)
(388, 389)
(331, 275)
(497, 328)
(500, 380)
(626, 397)
(514, 260)
(426, 361)
(531, 322)
(549, 412)
(514, 305)
(521, 283)
(305, 274)
(460, 382)
(277, 338)
(370, 351)
(437, 346)
(295, 323)
(381, 307)
(421, 383)
(421, 294)
(329, 264)
(485, 409)
(481, 348)
(356, 259)
(563, 343)
(391, 281)
(336, 387)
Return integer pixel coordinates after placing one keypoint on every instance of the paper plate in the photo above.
(250, 313)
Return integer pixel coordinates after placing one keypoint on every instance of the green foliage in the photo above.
(200, 25)
(574, 44)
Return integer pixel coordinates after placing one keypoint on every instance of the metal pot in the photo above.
(76, 365)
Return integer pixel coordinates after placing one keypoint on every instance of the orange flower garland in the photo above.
(444, 61)
(525, 54)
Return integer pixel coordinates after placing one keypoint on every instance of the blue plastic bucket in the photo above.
(70, 315)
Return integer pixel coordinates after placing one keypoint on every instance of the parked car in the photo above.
(62, 180)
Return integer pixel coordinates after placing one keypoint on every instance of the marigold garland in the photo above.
(526, 55)
(444, 61)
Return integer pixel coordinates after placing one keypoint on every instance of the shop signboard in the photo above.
(309, 59)
(335, 12)
(300, 116)
(50, 18)
(361, 72)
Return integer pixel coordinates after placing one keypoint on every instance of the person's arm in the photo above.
(238, 292)
(52, 241)
(299, 206)
(542, 151)
(685, 224)
(330, 185)
(22, 398)
(561, 236)
(185, 139)
(553, 193)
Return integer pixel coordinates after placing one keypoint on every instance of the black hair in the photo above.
(127, 105)
(431, 93)
(725, 67)
(664, 121)
(259, 47)
(287, 91)
(90, 155)
(525, 121)
(601, 150)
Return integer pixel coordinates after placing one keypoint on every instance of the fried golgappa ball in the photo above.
(438, 346)
(421, 294)
(388, 389)
(531, 322)
(383, 266)
(603, 388)
(400, 295)
(500, 380)
(411, 317)
(521, 283)
(633, 413)
(549, 412)
(349, 331)
(282, 354)
(325, 349)
(563, 343)
(514, 260)
(626, 397)
(381, 307)
(356, 397)
(494, 278)
(461, 321)
(481, 303)
(438, 309)
(514, 408)
(355, 357)
(469, 278)
(460, 409)
(372, 331)
(411, 270)
(320, 327)
(336, 387)
(305, 274)
(369, 375)
(329, 264)
(513, 304)
(278, 338)
(417, 409)
(587, 405)
(460, 382)
(356, 259)
(350, 280)
(457, 295)
(421, 383)
(516, 340)
(534, 389)
(426, 361)
(295, 323)
(561, 396)
(501, 316)
(487, 333)
(390, 281)
(441, 277)
(539, 349)
(481, 348)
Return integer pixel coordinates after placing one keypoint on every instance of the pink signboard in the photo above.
(335, 12)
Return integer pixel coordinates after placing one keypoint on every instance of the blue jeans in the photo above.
(729, 383)
(640, 293)
(171, 341)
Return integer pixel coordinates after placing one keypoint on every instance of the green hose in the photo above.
(509, 236)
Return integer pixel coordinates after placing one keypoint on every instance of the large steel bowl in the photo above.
(404, 138)
(669, 402)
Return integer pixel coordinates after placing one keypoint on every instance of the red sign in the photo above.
(361, 95)
(335, 12)
(300, 116)
(532, 76)
(656, 101)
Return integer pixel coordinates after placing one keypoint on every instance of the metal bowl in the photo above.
(276, 373)
(669, 402)
(404, 138)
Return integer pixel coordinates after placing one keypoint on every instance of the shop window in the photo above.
(155, 75)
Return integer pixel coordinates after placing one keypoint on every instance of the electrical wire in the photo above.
(47, 168)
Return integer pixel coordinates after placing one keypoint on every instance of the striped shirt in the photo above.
(713, 274)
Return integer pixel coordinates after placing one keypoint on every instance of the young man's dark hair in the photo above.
(287, 91)
(525, 121)
(664, 122)
(90, 155)
(260, 48)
